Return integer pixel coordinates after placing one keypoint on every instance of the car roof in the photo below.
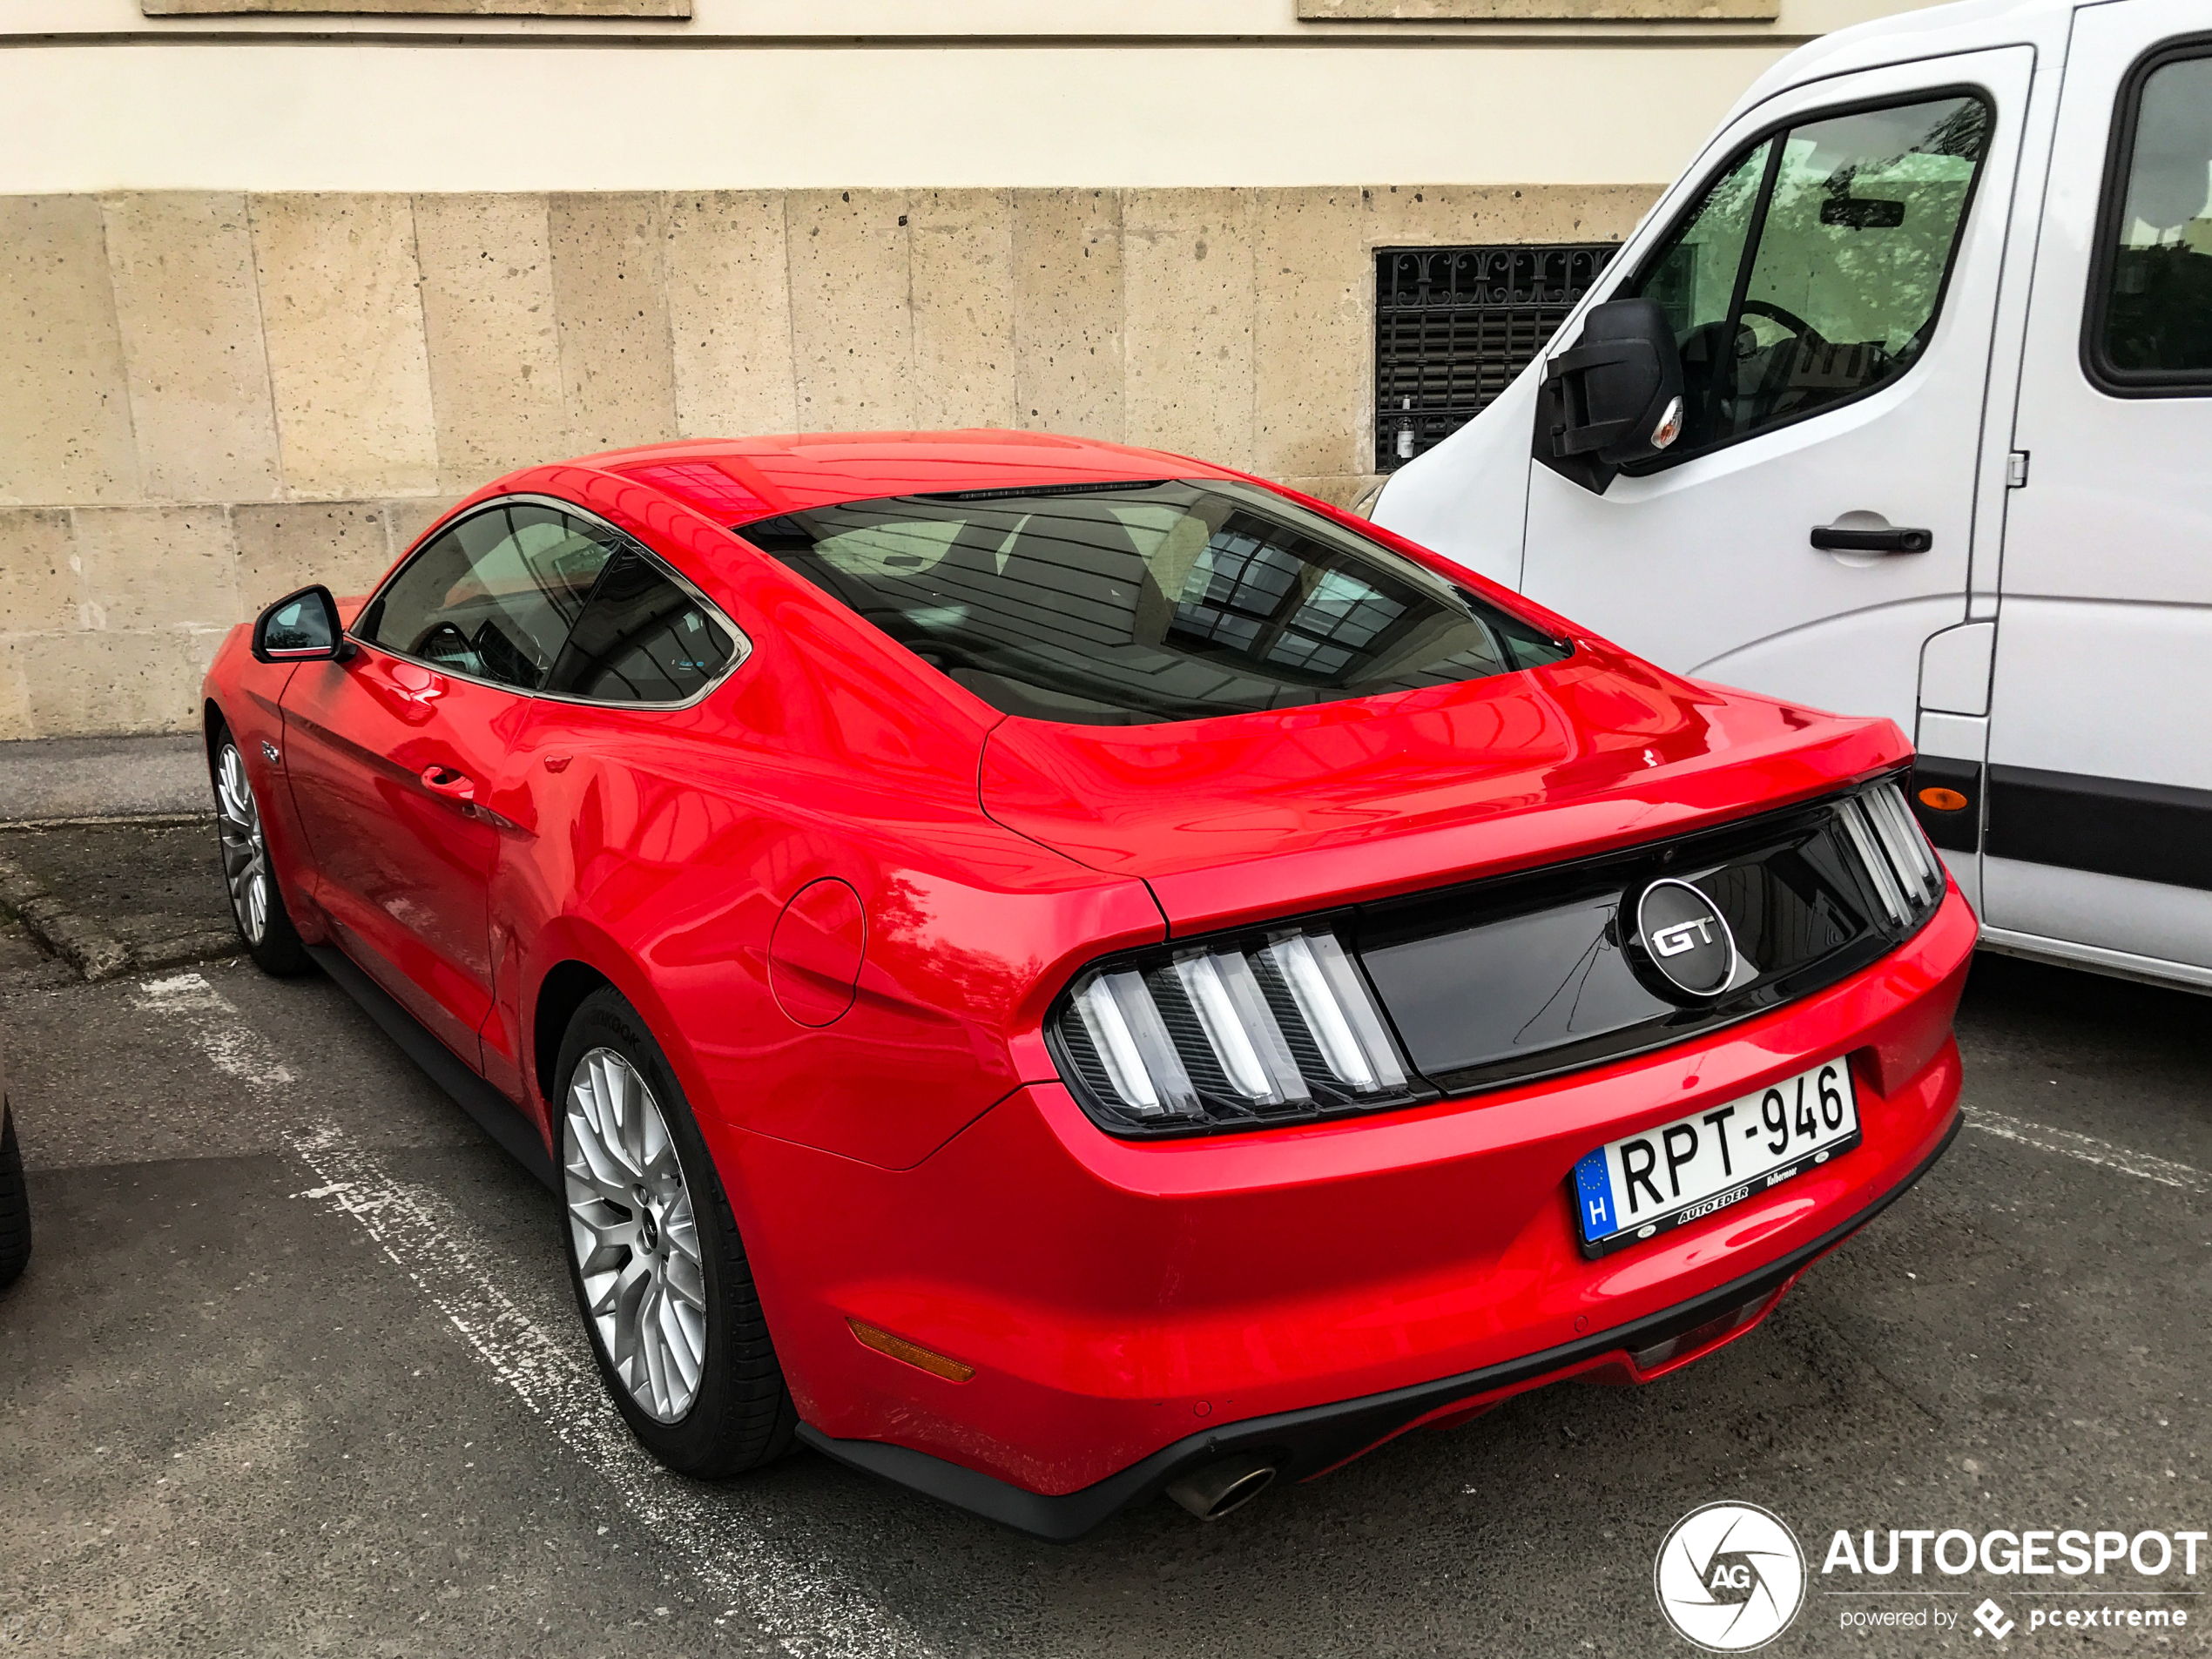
(735, 480)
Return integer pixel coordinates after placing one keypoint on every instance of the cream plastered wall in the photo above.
(209, 399)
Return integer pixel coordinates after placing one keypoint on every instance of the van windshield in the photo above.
(1129, 604)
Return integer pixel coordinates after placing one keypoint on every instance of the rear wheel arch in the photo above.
(560, 993)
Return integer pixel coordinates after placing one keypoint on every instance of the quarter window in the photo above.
(1811, 271)
(2150, 329)
(494, 597)
(641, 638)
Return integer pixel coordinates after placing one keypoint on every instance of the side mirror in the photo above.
(1614, 397)
(301, 627)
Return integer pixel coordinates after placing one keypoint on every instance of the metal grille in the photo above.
(1454, 325)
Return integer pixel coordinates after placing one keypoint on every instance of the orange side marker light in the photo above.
(912, 1353)
(1943, 800)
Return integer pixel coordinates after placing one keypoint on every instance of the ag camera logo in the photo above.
(1730, 1577)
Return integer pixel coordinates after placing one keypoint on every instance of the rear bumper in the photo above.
(1132, 1308)
(1304, 1443)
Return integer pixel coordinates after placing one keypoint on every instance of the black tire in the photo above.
(14, 1204)
(741, 1416)
(278, 951)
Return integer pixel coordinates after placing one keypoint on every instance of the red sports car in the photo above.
(1052, 972)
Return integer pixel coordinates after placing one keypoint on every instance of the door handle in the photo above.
(1831, 539)
(452, 784)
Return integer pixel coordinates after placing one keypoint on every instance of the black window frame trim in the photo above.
(741, 651)
(1985, 95)
(2096, 301)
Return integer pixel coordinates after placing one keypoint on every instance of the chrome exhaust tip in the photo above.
(1212, 1492)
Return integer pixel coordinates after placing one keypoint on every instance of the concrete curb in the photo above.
(76, 942)
(86, 946)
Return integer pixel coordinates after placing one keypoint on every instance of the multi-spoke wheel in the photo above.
(245, 855)
(257, 905)
(636, 1239)
(660, 1272)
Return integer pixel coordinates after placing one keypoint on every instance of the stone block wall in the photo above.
(207, 400)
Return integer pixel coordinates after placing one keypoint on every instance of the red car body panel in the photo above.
(915, 1160)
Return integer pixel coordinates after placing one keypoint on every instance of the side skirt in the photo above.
(497, 1116)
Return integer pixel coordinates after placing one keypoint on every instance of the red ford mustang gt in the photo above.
(1054, 973)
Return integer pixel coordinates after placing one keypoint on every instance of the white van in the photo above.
(1936, 301)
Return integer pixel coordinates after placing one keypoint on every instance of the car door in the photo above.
(1830, 277)
(2098, 840)
(402, 756)
(610, 747)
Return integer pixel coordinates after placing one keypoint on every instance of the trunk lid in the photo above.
(1236, 819)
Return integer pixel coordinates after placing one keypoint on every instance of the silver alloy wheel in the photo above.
(245, 855)
(636, 1239)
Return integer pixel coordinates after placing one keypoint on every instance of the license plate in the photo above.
(1639, 1187)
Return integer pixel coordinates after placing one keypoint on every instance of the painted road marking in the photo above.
(2089, 1149)
(539, 1353)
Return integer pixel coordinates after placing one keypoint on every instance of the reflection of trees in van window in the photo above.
(1694, 278)
(2158, 317)
(1852, 223)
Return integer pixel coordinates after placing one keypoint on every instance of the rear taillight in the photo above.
(1229, 1034)
(1893, 852)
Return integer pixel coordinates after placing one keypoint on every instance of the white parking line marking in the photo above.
(2089, 1149)
(541, 1355)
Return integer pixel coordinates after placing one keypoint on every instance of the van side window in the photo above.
(2150, 328)
(1812, 270)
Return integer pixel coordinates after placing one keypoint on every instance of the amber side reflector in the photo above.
(1943, 800)
(912, 1353)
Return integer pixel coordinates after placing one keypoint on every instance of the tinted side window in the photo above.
(641, 638)
(1812, 270)
(494, 597)
(2154, 283)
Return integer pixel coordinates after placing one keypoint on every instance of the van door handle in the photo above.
(1829, 539)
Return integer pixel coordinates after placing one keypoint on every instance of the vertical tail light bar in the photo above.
(1336, 1010)
(1124, 1026)
(1241, 1027)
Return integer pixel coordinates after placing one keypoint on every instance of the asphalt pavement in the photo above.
(295, 1370)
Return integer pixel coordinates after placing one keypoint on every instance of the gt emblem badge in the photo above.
(1687, 937)
(269, 752)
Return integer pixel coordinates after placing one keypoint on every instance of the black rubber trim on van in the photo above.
(2107, 825)
(1305, 1443)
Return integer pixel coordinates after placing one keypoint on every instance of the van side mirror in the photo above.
(301, 627)
(1614, 397)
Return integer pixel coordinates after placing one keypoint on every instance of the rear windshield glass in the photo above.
(1129, 605)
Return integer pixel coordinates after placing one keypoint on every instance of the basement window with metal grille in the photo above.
(1454, 325)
